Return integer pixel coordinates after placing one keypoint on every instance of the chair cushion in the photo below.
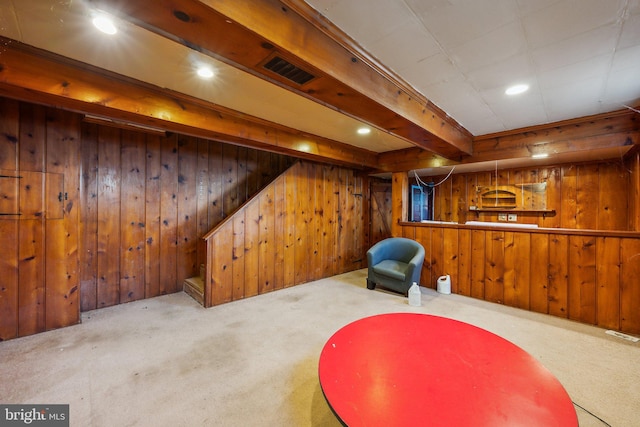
(390, 268)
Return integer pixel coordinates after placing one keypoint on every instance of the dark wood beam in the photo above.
(33, 75)
(247, 33)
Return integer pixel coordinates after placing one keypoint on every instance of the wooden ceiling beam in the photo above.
(246, 33)
(619, 129)
(33, 75)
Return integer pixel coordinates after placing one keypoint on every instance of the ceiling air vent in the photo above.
(289, 71)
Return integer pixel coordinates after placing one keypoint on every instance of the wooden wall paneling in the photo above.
(471, 195)
(291, 212)
(359, 230)
(9, 305)
(343, 220)
(423, 236)
(569, 212)
(31, 243)
(399, 203)
(608, 282)
(551, 176)
(633, 165)
(587, 196)
(558, 275)
(31, 278)
(238, 258)
(327, 248)
(252, 248)
(613, 197)
(88, 243)
(354, 221)
(153, 170)
(478, 265)
(494, 266)
(63, 148)
(464, 263)
(187, 262)
(302, 257)
(9, 228)
(444, 208)
(169, 215)
(202, 200)
(230, 179)
(315, 221)
(243, 193)
(109, 187)
(539, 273)
(582, 279)
(221, 267)
(380, 211)
(436, 261)
(279, 237)
(517, 279)
(459, 206)
(252, 169)
(630, 286)
(266, 241)
(132, 216)
(409, 232)
(450, 259)
(31, 148)
(10, 132)
(216, 196)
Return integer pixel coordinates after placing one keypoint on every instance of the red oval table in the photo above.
(408, 369)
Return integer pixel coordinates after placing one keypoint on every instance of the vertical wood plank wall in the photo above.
(304, 226)
(39, 271)
(580, 276)
(594, 196)
(135, 210)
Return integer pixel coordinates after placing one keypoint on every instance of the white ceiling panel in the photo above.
(576, 49)
(570, 18)
(495, 46)
(556, 46)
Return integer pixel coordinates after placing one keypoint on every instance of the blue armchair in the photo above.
(395, 263)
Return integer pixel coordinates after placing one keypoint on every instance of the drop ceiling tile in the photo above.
(495, 46)
(370, 23)
(456, 22)
(527, 6)
(567, 19)
(630, 32)
(404, 47)
(568, 75)
(516, 113)
(503, 74)
(577, 99)
(627, 58)
(622, 88)
(576, 49)
(432, 70)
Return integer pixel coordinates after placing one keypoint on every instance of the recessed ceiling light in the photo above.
(517, 89)
(540, 156)
(364, 131)
(205, 72)
(105, 24)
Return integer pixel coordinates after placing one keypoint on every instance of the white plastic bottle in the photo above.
(415, 295)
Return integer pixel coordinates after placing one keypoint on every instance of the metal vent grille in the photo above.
(289, 71)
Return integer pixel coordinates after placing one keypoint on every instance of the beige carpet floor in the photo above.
(167, 361)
